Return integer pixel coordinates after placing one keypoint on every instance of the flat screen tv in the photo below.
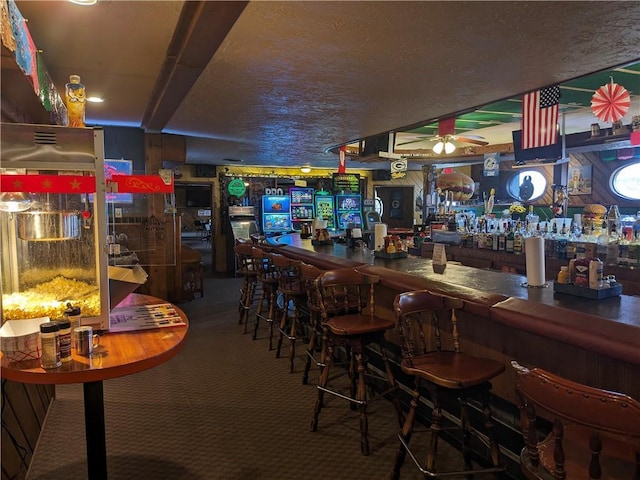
(198, 197)
(548, 152)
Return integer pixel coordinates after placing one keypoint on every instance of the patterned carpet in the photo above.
(223, 408)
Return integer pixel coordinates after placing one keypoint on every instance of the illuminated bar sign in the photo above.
(346, 183)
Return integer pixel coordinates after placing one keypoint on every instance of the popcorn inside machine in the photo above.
(53, 223)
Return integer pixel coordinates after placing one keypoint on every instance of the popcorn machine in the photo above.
(53, 223)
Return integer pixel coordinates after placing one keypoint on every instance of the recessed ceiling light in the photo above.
(305, 169)
(95, 99)
(84, 2)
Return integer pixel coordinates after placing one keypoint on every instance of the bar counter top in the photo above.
(609, 326)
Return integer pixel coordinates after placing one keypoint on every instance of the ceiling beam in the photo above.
(200, 31)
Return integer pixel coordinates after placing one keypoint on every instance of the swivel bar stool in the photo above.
(247, 268)
(309, 274)
(294, 294)
(353, 325)
(442, 372)
(267, 277)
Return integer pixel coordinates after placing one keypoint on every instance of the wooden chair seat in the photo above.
(453, 369)
(355, 324)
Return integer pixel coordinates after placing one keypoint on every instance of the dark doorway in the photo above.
(194, 206)
(398, 205)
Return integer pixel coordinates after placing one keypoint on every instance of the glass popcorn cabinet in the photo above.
(53, 223)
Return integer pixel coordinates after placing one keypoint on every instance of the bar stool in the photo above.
(309, 273)
(441, 372)
(595, 433)
(353, 325)
(267, 277)
(294, 294)
(247, 268)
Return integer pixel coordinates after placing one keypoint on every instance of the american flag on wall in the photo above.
(540, 117)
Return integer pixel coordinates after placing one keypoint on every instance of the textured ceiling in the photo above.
(291, 79)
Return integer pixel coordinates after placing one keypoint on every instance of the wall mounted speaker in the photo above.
(205, 171)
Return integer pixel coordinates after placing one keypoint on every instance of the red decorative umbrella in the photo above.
(610, 102)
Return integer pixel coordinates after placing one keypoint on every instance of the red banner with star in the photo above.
(139, 184)
(48, 183)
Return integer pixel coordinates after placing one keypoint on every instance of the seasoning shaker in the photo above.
(50, 343)
(65, 340)
(73, 314)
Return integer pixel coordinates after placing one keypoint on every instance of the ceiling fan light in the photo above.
(449, 147)
(438, 147)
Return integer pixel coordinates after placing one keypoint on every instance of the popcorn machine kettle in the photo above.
(53, 223)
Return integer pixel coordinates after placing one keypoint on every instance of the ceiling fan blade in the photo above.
(425, 138)
(471, 139)
(412, 141)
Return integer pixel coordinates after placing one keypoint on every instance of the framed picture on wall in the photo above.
(579, 182)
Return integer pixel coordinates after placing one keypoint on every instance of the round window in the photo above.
(625, 181)
(526, 185)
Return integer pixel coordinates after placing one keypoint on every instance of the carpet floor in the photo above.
(223, 408)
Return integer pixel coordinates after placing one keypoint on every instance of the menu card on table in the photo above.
(142, 317)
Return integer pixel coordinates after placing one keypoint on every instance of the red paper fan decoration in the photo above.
(610, 102)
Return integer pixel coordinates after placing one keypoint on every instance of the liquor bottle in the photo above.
(613, 219)
(494, 238)
(502, 239)
(602, 243)
(613, 246)
(510, 243)
(518, 240)
(75, 102)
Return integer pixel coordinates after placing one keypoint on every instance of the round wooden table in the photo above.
(119, 354)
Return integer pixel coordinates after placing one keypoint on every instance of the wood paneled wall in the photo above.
(24, 408)
(600, 174)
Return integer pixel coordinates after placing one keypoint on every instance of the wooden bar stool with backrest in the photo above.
(267, 276)
(441, 372)
(594, 433)
(347, 309)
(309, 275)
(245, 267)
(294, 295)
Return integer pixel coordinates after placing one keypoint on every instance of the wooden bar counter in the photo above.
(596, 342)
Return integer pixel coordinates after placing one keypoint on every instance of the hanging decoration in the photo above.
(610, 102)
(342, 165)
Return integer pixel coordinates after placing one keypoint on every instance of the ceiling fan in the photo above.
(446, 136)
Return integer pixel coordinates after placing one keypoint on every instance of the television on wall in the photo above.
(198, 197)
(548, 152)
